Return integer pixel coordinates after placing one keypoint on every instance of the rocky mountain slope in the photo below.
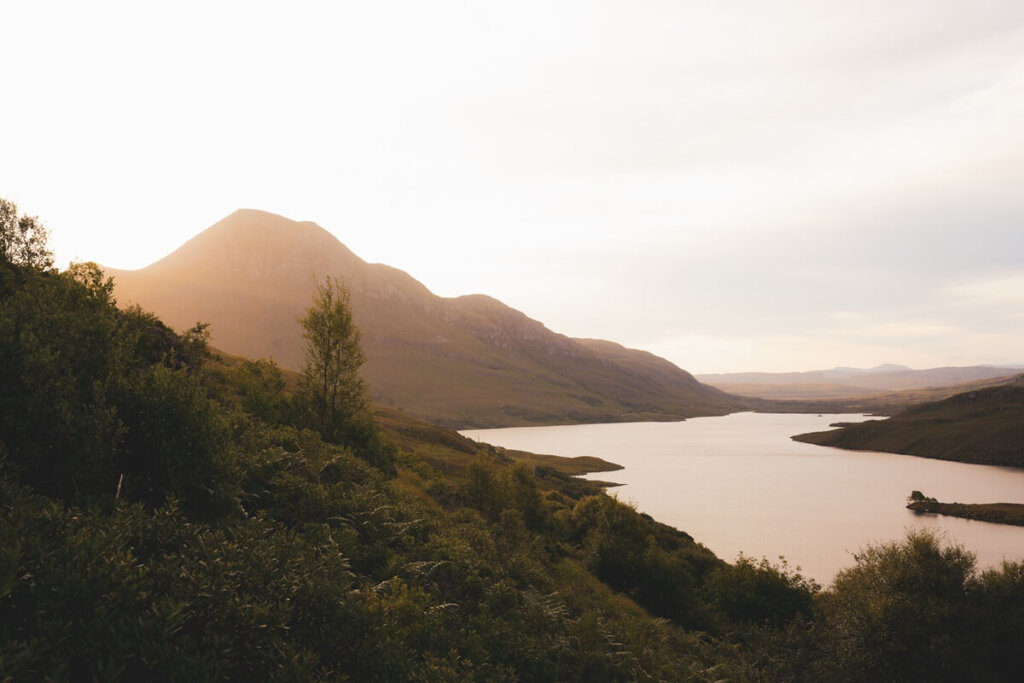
(464, 361)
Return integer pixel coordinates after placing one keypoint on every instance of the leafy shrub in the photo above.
(900, 613)
(760, 593)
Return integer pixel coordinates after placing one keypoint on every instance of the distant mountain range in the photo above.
(846, 371)
(849, 382)
(469, 361)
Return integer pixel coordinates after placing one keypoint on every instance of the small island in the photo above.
(998, 513)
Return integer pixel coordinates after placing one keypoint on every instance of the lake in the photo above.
(738, 483)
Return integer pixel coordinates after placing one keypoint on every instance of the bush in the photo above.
(900, 613)
(761, 593)
(175, 443)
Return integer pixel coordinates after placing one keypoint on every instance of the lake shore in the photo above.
(739, 483)
(997, 513)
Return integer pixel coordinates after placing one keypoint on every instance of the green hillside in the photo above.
(980, 426)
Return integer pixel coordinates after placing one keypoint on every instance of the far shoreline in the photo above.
(995, 513)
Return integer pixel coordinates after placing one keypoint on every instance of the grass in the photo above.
(429, 453)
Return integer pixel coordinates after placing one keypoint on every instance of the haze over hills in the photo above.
(464, 361)
(849, 382)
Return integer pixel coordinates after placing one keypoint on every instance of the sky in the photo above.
(734, 185)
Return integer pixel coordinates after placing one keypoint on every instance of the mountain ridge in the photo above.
(848, 382)
(461, 361)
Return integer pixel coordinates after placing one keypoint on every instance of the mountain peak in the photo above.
(259, 242)
(464, 361)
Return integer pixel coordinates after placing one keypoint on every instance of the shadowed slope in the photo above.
(465, 361)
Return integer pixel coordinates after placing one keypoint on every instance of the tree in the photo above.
(61, 352)
(22, 238)
(337, 397)
(918, 497)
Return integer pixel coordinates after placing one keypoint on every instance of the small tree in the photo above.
(918, 497)
(336, 396)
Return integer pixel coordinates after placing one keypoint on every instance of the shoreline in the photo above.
(995, 513)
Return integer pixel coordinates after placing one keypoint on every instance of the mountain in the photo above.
(877, 403)
(468, 361)
(847, 371)
(983, 426)
(848, 382)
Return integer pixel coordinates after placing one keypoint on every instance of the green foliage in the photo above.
(62, 350)
(997, 620)
(331, 392)
(136, 595)
(658, 566)
(494, 490)
(330, 378)
(175, 442)
(900, 613)
(97, 403)
(153, 342)
(761, 593)
(261, 386)
(331, 575)
(22, 239)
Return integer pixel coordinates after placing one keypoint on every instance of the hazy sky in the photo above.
(734, 185)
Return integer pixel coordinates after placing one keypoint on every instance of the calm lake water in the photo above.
(738, 483)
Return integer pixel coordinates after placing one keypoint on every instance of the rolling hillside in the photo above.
(468, 361)
(984, 426)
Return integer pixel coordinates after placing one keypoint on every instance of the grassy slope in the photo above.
(437, 446)
(448, 452)
(985, 426)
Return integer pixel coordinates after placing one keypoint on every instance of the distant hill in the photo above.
(878, 403)
(983, 426)
(469, 361)
(878, 369)
(848, 382)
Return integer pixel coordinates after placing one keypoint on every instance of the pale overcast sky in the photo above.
(734, 185)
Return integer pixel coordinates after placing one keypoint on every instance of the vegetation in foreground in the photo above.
(168, 516)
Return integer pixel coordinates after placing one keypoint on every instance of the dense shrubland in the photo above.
(168, 515)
